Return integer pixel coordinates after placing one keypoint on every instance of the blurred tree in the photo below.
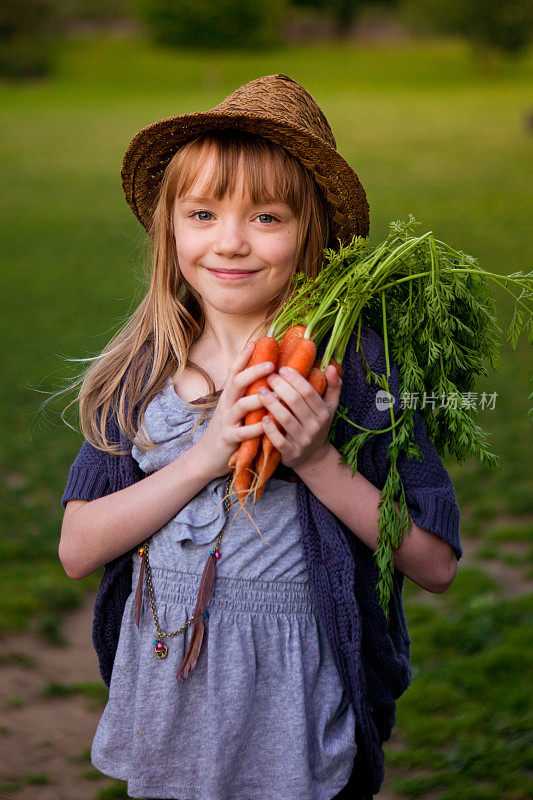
(502, 25)
(344, 12)
(73, 11)
(25, 41)
(217, 25)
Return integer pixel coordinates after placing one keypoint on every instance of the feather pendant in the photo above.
(138, 602)
(205, 591)
(193, 650)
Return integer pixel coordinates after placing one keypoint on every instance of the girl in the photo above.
(292, 691)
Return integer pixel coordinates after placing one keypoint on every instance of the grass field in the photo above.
(428, 133)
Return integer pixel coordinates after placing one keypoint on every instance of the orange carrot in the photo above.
(318, 379)
(242, 482)
(286, 348)
(301, 360)
(266, 349)
(268, 459)
(288, 343)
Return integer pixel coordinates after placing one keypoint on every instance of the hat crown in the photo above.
(278, 97)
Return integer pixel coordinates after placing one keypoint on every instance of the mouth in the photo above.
(233, 274)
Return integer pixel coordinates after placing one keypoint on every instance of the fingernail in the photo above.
(262, 390)
(284, 371)
(269, 364)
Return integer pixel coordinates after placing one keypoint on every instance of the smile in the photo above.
(233, 274)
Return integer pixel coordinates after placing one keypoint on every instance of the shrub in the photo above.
(505, 26)
(223, 24)
(25, 46)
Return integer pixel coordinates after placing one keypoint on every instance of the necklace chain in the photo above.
(145, 548)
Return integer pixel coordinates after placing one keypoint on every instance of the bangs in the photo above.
(270, 173)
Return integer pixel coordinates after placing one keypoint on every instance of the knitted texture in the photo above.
(371, 654)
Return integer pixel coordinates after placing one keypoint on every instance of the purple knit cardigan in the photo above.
(371, 655)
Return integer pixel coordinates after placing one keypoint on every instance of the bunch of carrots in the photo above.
(432, 306)
(255, 460)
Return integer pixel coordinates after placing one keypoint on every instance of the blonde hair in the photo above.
(154, 343)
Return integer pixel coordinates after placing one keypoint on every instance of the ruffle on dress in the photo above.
(170, 423)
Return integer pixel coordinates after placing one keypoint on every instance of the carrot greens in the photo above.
(433, 308)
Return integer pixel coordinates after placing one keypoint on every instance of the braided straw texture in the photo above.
(273, 106)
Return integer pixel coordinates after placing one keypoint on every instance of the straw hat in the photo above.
(275, 107)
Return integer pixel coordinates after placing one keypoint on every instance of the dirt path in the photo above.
(45, 739)
(42, 736)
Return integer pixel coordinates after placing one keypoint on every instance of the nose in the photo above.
(231, 239)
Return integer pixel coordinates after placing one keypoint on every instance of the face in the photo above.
(238, 256)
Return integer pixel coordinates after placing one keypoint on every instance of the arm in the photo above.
(113, 522)
(427, 560)
(98, 531)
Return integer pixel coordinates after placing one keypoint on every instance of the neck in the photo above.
(229, 336)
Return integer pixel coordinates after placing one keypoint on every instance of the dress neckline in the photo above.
(172, 390)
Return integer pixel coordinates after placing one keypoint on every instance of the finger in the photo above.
(249, 431)
(283, 416)
(245, 404)
(333, 389)
(296, 391)
(243, 379)
(242, 359)
(274, 434)
(332, 394)
(333, 376)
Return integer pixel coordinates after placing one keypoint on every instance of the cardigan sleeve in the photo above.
(429, 491)
(88, 477)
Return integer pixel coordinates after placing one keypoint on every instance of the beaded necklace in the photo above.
(200, 613)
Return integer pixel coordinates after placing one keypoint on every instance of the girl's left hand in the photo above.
(306, 417)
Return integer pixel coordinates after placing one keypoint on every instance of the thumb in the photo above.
(243, 358)
(333, 389)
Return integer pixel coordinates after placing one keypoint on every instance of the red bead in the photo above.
(160, 645)
(217, 554)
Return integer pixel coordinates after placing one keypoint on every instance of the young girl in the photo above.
(294, 687)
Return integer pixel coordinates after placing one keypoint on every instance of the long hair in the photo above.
(152, 346)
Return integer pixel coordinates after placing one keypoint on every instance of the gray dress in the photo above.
(263, 715)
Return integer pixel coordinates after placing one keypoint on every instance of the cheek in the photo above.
(185, 252)
(283, 251)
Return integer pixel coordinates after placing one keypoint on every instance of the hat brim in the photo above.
(152, 148)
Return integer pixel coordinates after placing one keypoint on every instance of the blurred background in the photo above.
(431, 104)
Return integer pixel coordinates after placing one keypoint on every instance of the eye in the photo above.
(203, 219)
(270, 216)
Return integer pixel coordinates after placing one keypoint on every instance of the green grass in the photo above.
(466, 720)
(37, 780)
(115, 791)
(429, 133)
(97, 693)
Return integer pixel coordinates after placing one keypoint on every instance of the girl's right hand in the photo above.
(226, 430)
